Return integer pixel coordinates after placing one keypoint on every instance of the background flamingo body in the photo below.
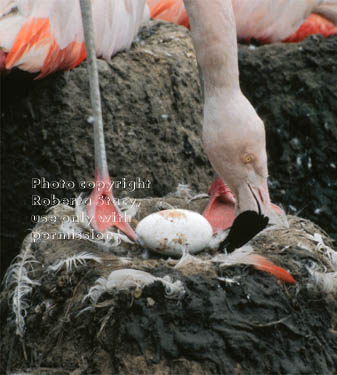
(265, 20)
(314, 24)
(45, 36)
(39, 35)
(169, 10)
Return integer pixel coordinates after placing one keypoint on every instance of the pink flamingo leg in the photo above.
(220, 211)
(101, 208)
(104, 211)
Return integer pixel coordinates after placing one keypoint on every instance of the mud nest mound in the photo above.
(152, 111)
(202, 319)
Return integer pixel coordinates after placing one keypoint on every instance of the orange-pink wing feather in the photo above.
(45, 36)
(265, 20)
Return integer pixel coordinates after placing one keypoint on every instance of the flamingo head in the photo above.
(234, 139)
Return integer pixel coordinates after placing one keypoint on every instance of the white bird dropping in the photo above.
(169, 232)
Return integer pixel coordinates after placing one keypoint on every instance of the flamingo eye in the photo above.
(248, 158)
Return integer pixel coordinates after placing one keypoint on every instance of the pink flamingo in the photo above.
(246, 181)
(266, 20)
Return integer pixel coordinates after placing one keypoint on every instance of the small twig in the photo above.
(10, 354)
(105, 320)
(24, 350)
(269, 323)
(64, 319)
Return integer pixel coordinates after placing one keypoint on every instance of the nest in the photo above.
(97, 305)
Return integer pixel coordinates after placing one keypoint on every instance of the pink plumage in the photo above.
(265, 20)
(45, 36)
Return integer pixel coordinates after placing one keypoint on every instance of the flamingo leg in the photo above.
(220, 211)
(101, 207)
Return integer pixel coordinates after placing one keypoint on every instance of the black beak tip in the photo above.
(244, 228)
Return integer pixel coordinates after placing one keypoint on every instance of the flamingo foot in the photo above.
(103, 212)
(220, 211)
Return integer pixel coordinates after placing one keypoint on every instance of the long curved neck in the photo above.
(214, 38)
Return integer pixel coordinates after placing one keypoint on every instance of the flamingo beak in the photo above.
(254, 212)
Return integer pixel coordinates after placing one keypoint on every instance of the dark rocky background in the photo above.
(152, 114)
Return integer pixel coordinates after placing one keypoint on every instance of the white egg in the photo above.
(170, 231)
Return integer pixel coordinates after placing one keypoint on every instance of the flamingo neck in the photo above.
(214, 37)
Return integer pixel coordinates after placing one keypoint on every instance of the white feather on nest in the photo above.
(187, 260)
(73, 261)
(325, 281)
(185, 192)
(239, 256)
(327, 251)
(17, 278)
(126, 279)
